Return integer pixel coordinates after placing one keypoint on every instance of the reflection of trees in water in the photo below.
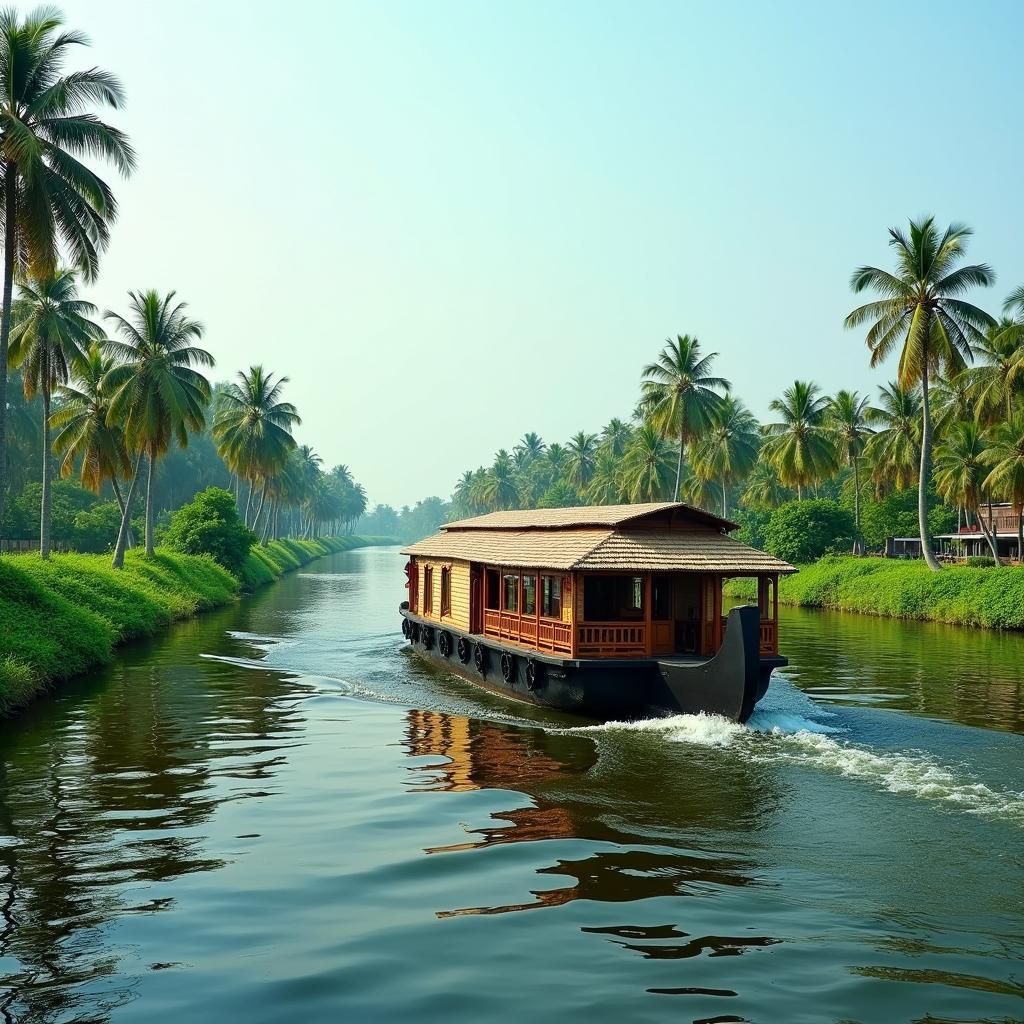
(104, 796)
(646, 795)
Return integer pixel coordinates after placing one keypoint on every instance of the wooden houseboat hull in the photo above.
(728, 683)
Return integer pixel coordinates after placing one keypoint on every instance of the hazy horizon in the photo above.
(448, 225)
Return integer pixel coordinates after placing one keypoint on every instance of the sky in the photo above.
(449, 223)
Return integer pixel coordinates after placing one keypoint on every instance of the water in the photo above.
(276, 813)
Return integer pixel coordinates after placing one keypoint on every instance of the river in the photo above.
(275, 813)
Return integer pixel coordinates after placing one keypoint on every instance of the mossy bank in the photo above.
(962, 595)
(66, 615)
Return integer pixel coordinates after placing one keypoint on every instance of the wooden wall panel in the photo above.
(459, 617)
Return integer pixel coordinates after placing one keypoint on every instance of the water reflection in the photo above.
(104, 801)
(481, 755)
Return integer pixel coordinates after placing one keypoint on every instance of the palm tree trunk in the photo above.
(119, 498)
(10, 245)
(267, 523)
(149, 502)
(122, 534)
(857, 548)
(925, 476)
(46, 503)
(248, 502)
(725, 510)
(259, 510)
(799, 492)
(990, 537)
(1020, 534)
(679, 471)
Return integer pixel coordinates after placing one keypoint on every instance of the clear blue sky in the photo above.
(449, 223)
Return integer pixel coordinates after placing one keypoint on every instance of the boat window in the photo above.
(613, 598)
(428, 589)
(551, 596)
(510, 593)
(446, 590)
(529, 595)
(661, 598)
(493, 589)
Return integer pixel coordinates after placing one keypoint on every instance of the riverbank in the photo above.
(961, 595)
(64, 616)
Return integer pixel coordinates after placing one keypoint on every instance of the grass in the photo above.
(962, 595)
(66, 615)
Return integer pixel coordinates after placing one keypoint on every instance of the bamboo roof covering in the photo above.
(639, 550)
(590, 516)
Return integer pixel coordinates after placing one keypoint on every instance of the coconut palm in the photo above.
(1005, 454)
(921, 313)
(953, 399)
(894, 451)
(499, 489)
(155, 394)
(763, 488)
(605, 487)
(84, 437)
(961, 472)
(529, 450)
(49, 196)
(847, 418)
(996, 378)
(679, 395)
(52, 332)
(462, 496)
(799, 446)
(581, 451)
(253, 431)
(615, 437)
(647, 465)
(728, 452)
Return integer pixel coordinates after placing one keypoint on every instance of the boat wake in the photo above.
(794, 730)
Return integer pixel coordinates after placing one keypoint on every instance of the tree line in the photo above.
(950, 425)
(108, 398)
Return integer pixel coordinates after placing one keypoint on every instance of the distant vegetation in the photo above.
(964, 595)
(118, 401)
(958, 395)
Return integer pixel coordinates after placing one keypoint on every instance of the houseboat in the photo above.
(610, 612)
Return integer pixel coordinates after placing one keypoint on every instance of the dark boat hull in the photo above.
(729, 684)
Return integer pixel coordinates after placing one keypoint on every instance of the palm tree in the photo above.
(462, 496)
(995, 380)
(799, 447)
(49, 195)
(52, 333)
(952, 400)
(615, 436)
(581, 449)
(499, 490)
(678, 393)
(1005, 455)
(894, 451)
(529, 449)
(729, 451)
(847, 418)
(961, 474)
(605, 487)
(84, 435)
(647, 465)
(763, 489)
(253, 431)
(155, 393)
(922, 314)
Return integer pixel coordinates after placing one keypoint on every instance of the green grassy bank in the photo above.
(963, 595)
(66, 615)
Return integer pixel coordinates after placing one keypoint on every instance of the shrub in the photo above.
(801, 531)
(895, 515)
(95, 529)
(752, 523)
(981, 562)
(210, 525)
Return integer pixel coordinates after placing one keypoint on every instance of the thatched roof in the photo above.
(655, 513)
(631, 550)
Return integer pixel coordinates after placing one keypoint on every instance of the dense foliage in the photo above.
(965, 595)
(801, 531)
(210, 525)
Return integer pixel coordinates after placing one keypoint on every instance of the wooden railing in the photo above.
(542, 634)
(1004, 520)
(616, 638)
(769, 635)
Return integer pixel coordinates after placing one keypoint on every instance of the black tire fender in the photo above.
(463, 648)
(508, 667)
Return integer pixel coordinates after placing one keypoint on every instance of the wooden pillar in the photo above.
(648, 611)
